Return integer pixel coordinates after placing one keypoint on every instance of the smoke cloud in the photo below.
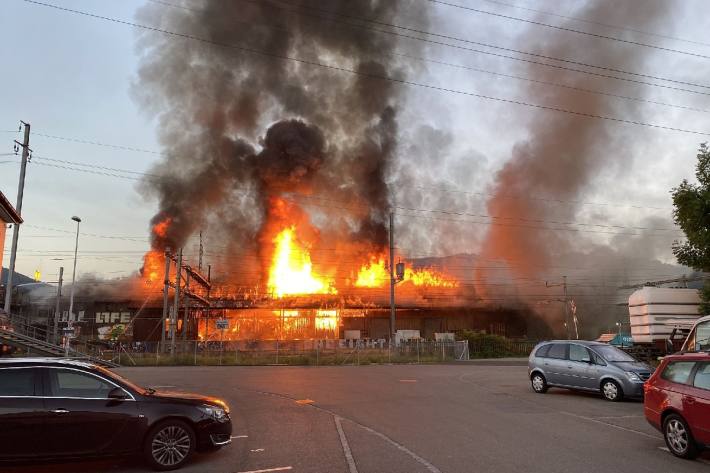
(561, 159)
(240, 128)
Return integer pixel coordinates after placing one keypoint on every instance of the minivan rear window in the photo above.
(558, 350)
(678, 371)
(542, 351)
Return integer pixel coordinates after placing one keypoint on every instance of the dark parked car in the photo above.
(587, 366)
(54, 408)
(677, 402)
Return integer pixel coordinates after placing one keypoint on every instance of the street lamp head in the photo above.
(76, 219)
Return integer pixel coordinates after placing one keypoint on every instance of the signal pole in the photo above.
(392, 281)
(25, 145)
(202, 249)
(166, 289)
(176, 307)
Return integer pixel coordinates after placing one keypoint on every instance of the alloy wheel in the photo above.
(170, 445)
(677, 436)
(538, 383)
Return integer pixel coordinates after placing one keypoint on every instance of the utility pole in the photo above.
(176, 306)
(392, 281)
(566, 303)
(25, 145)
(166, 289)
(57, 309)
(567, 317)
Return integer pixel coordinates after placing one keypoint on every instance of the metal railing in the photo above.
(23, 324)
(281, 352)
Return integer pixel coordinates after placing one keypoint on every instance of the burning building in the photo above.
(280, 126)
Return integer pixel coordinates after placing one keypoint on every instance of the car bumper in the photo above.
(214, 434)
(633, 390)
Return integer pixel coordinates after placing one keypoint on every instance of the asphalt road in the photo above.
(408, 418)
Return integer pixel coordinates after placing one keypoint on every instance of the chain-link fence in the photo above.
(285, 352)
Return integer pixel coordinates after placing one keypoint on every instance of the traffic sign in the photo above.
(222, 324)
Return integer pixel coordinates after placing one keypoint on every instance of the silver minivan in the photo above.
(587, 366)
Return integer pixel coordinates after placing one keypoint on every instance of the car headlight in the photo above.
(633, 377)
(217, 413)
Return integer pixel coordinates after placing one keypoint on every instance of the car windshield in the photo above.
(612, 354)
(122, 380)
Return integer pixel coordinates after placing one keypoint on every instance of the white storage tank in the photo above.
(655, 311)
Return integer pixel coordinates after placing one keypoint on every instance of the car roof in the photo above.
(39, 361)
(589, 343)
(689, 356)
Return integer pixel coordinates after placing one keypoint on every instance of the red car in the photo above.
(677, 402)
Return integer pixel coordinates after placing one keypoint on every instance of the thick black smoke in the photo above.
(239, 127)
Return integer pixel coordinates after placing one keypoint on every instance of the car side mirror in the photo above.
(118, 394)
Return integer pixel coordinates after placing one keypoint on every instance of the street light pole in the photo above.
(73, 275)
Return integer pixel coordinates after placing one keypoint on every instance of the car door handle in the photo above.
(60, 411)
(689, 399)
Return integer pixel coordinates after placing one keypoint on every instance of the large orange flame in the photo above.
(376, 274)
(153, 264)
(373, 274)
(291, 269)
(428, 277)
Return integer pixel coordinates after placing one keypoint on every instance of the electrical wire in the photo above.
(598, 23)
(483, 71)
(76, 140)
(569, 30)
(370, 75)
(300, 8)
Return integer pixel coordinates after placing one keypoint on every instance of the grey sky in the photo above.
(71, 76)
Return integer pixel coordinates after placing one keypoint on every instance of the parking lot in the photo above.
(408, 418)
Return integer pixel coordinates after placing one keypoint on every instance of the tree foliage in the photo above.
(691, 212)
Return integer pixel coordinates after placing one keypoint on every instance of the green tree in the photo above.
(691, 212)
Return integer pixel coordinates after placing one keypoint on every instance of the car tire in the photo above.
(538, 383)
(611, 390)
(678, 437)
(169, 445)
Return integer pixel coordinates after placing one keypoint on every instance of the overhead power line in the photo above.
(435, 188)
(470, 68)
(552, 84)
(300, 7)
(76, 140)
(598, 23)
(527, 197)
(369, 75)
(93, 166)
(570, 30)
